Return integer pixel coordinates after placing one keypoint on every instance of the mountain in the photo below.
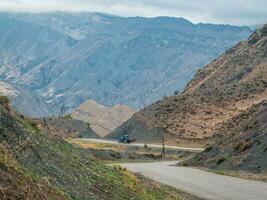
(240, 144)
(102, 119)
(71, 57)
(223, 89)
(38, 165)
(26, 101)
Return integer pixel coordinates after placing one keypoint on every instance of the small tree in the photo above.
(176, 92)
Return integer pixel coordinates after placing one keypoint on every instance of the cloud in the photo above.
(242, 12)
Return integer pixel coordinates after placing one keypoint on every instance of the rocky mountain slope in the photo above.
(229, 85)
(66, 127)
(103, 120)
(240, 144)
(27, 101)
(38, 165)
(71, 57)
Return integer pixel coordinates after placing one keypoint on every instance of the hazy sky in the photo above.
(241, 12)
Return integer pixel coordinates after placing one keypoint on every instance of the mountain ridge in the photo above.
(221, 90)
(86, 56)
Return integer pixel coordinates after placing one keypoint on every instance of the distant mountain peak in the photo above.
(102, 119)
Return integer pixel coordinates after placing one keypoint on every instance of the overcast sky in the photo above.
(240, 12)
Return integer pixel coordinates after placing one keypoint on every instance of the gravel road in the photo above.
(201, 183)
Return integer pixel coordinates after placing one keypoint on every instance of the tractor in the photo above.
(125, 139)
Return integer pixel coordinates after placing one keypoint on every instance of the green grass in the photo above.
(61, 165)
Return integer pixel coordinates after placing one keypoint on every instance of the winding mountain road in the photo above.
(200, 183)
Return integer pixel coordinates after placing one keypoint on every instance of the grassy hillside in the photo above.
(17, 183)
(37, 165)
(240, 144)
(220, 91)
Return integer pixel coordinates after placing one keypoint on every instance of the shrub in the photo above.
(4, 101)
(68, 116)
(176, 92)
(208, 148)
(220, 160)
(220, 172)
(33, 125)
(243, 146)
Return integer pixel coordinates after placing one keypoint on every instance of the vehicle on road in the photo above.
(125, 139)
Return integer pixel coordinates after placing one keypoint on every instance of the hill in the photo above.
(223, 89)
(71, 57)
(38, 165)
(103, 120)
(240, 144)
(66, 127)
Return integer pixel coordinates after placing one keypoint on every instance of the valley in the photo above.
(95, 106)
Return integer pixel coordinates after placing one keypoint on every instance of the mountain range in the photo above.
(66, 58)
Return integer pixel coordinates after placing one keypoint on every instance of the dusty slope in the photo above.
(223, 89)
(66, 127)
(61, 165)
(241, 143)
(102, 119)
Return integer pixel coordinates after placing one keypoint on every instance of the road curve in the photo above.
(201, 183)
(140, 144)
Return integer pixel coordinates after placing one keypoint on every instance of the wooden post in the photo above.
(163, 152)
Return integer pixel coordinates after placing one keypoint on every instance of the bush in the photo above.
(208, 148)
(68, 116)
(220, 160)
(4, 101)
(33, 125)
(243, 146)
(176, 92)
